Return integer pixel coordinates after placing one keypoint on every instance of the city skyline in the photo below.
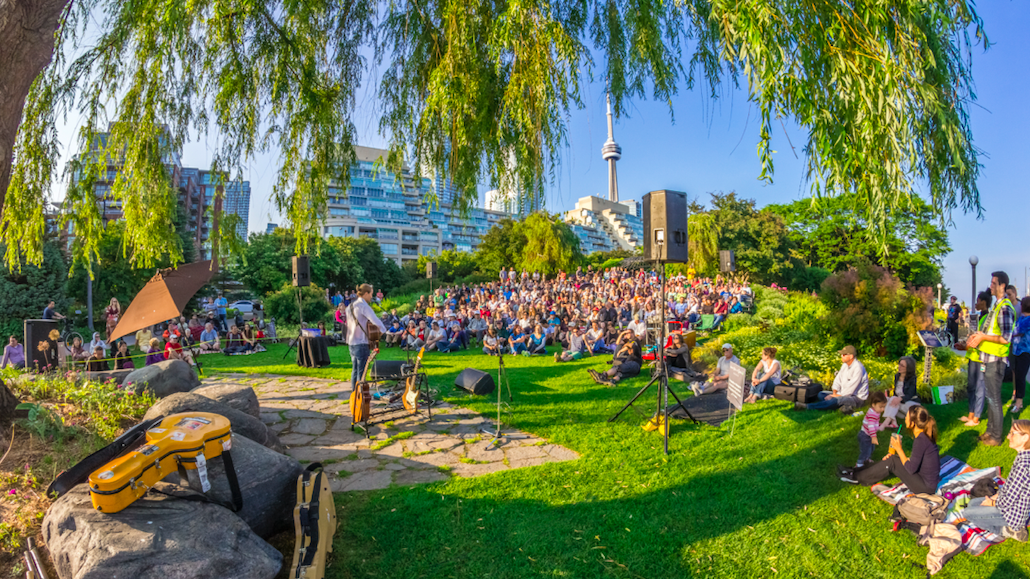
(709, 146)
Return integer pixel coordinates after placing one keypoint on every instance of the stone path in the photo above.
(312, 418)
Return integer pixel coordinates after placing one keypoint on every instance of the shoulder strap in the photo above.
(230, 475)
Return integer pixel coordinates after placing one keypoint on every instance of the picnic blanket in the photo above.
(957, 480)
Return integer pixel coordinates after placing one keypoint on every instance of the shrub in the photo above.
(282, 305)
(737, 321)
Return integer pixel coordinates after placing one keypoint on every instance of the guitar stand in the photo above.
(502, 377)
(423, 394)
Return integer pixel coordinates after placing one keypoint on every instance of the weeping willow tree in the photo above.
(551, 245)
(478, 90)
(703, 242)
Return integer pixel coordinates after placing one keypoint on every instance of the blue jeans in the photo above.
(825, 404)
(763, 388)
(975, 388)
(599, 347)
(518, 348)
(865, 448)
(359, 358)
(718, 320)
(987, 518)
(994, 373)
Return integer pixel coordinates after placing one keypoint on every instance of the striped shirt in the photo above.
(1014, 495)
(871, 423)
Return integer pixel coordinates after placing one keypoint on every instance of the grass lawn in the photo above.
(762, 503)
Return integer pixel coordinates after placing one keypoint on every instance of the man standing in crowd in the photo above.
(850, 386)
(954, 312)
(992, 343)
(222, 303)
(359, 316)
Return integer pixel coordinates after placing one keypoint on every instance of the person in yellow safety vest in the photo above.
(994, 354)
(975, 377)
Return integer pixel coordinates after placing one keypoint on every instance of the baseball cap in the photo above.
(727, 346)
(848, 350)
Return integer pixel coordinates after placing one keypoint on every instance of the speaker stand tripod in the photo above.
(300, 312)
(662, 377)
(502, 377)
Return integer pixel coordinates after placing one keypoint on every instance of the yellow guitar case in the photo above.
(314, 518)
(178, 443)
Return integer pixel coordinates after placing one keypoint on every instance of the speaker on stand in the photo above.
(665, 226)
(431, 275)
(301, 278)
(727, 261)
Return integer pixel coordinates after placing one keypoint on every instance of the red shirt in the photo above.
(722, 308)
(172, 346)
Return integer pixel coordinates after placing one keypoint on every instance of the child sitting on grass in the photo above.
(870, 426)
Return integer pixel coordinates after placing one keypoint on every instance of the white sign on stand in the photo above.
(735, 386)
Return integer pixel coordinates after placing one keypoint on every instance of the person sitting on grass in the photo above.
(454, 338)
(414, 336)
(577, 347)
(904, 395)
(766, 376)
(850, 386)
(234, 343)
(78, 353)
(1007, 512)
(155, 353)
(122, 359)
(209, 341)
(96, 362)
(143, 338)
(537, 341)
(626, 362)
(477, 327)
(920, 470)
(595, 339)
(517, 341)
(14, 354)
(870, 426)
(492, 345)
(394, 334)
(174, 351)
(436, 339)
(677, 354)
(721, 376)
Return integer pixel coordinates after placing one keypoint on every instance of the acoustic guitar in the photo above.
(410, 398)
(361, 397)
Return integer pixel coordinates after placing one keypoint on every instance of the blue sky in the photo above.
(711, 147)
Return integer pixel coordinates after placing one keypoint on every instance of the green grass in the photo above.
(761, 503)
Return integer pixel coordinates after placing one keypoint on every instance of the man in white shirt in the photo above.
(359, 315)
(639, 328)
(436, 338)
(577, 347)
(721, 376)
(850, 386)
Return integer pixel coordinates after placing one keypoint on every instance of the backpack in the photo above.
(923, 509)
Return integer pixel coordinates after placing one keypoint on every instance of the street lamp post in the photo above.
(939, 286)
(973, 260)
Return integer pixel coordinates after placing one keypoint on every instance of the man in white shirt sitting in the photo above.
(639, 328)
(850, 386)
(720, 378)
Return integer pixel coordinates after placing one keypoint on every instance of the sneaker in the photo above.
(1020, 535)
(880, 488)
(595, 375)
(847, 409)
(843, 470)
(800, 406)
(695, 389)
(989, 440)
(849, 478)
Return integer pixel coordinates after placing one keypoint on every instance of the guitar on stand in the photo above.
(361, 396)
(413, 386)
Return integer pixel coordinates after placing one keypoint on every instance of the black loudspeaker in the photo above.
(727, 260)
(475, 381)
(431, 270)
(301, 273)
(36, 331)
(665, 226)
(390, 369)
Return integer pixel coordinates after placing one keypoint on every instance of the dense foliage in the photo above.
(338, 263)
(282, 305)
(24, 294)
(541, 242)
(882, 90)
(831, 233)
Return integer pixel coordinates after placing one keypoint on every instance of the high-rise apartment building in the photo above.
(393, 210)
(603, 225)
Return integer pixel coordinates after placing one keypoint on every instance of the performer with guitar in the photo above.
(363, 328)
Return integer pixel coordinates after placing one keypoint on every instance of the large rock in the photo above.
(117, 375)
(156, 536)
(163, 379)
(238, 396)
(243, 424)
(268, 484)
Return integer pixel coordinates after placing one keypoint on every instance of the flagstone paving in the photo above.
(312, 418)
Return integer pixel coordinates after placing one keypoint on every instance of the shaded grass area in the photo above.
(762, 503)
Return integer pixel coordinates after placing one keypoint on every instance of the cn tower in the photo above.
(611, 152)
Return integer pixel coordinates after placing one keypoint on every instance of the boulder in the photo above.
(163, 379)
(268, 484)
(156, 536)
(238, 396)
(117, 375)
(243, 424)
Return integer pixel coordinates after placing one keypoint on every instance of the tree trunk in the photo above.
(27, 30)
(8, 401)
